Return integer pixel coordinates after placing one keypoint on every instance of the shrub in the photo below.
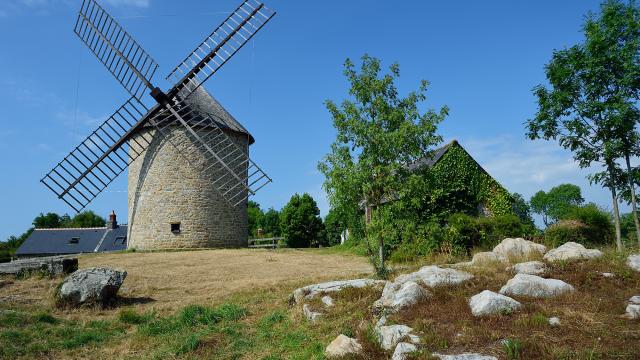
(494, 229)
(587, 225)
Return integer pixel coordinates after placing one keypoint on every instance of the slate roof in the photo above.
(431, 159)
(58, 241)
(206, 104)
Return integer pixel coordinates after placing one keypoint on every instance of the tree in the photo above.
(254, 216)
(271, 222)
(301, 224)
(87, 219)
(591, 105)
(557, 203)
(334, 225)
(540, 205)
(378, 132)
(48, 221)
(522, 209)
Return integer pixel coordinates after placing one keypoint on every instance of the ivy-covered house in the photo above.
(449, 180)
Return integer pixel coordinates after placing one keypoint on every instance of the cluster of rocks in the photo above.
(408, 289)
(50, 265)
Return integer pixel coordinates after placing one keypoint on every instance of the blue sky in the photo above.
(482, 59)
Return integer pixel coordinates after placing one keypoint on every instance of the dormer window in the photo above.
(74, 240)
(120, 240)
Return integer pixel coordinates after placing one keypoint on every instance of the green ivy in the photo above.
(457, 184)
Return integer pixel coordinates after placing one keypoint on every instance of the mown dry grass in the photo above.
(247, 315)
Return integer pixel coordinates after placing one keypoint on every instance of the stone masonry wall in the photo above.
(164, 188)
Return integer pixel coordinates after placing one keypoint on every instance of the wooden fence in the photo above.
(270, 243)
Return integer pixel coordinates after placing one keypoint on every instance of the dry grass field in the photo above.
(233, 304)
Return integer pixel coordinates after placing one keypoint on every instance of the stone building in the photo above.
(174, 204)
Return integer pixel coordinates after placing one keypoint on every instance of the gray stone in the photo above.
(535, 286)
(635, 300)
(342, 346)
(529, 267)
(490, 303)
(633, 261)
(554, 321)
(327, 301)
(572, 251)
(309, 314)
(402, 350)
(399, 296)
(607, 275)
(633, 311)
(91, 286)
(310, 291)
(518, 248)
(390, 335)
(488, 258)
(465, 356)
(433, 276)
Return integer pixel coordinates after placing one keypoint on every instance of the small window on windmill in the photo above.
(74, 240)
(175, 228)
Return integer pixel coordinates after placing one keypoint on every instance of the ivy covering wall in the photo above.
(455, 184)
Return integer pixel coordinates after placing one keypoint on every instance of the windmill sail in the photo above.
(212, 151)
(115, 48)
(100, 158)
(218, 47)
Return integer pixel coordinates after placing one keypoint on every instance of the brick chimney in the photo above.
(112, 223)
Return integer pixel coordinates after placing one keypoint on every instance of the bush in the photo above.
(587, 225)
(494, 229)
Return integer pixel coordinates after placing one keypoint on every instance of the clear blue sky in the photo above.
(481, 57)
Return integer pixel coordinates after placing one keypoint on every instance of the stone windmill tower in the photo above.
(190, 174)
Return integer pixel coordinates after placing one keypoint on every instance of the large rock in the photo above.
(490, 303)
(518, 248)
(529, 267)
(91, 287)
(535, 286)
(488, 258)
(633, 308)
(405, 291)
(390, 335)
(433, 276)
(465, 356)
(633, 261)
(571, 251)
(399, 296)
(402, 350)
(310, 291)
(327, 301)
(342, 346)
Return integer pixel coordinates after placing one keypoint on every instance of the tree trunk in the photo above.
(616, 218)
(632, 187)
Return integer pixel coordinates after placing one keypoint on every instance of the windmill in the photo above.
(190, 173)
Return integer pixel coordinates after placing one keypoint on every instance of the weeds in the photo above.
(513, 349)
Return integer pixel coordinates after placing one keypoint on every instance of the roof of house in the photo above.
(205, 104)
(432, 158)
(59, 241)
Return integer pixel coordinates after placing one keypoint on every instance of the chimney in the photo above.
(112, 223)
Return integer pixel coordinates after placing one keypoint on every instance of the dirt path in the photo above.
(173, 279)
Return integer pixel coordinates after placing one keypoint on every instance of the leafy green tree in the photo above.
(47, 221)
(334, 225)
(87, 219)
(300, 223)
(540, 205)
(591, 107)
(255, 216)
(521, 209)
(557, 203)
(377, 133)
(271, 222)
